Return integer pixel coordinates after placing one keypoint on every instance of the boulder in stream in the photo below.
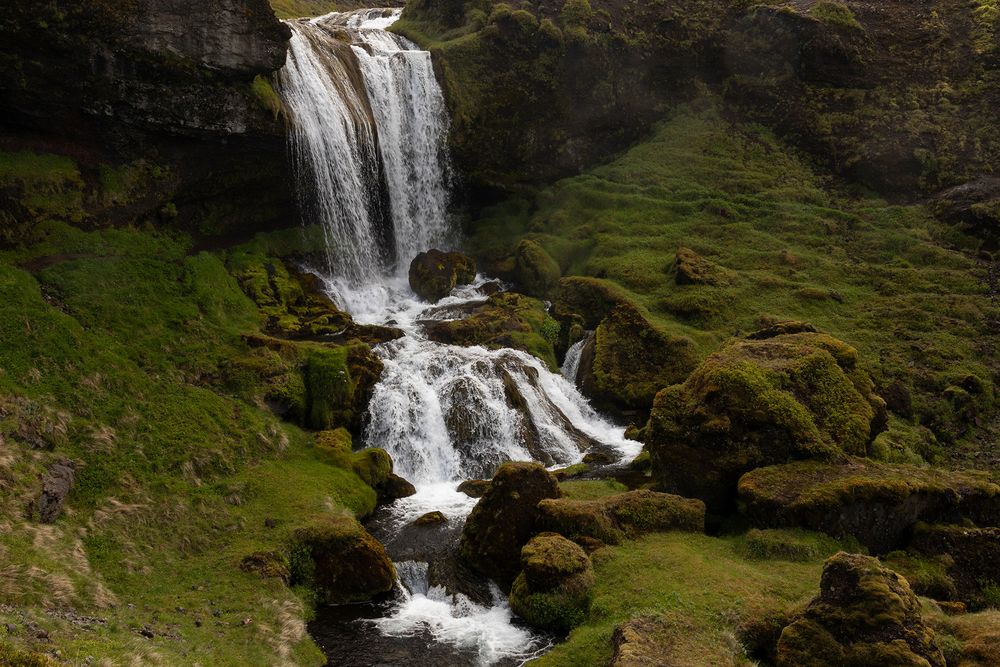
(434, 274)
(504, 519)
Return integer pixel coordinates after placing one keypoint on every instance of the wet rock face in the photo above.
(875, 503)
(55, 487)
(339, 560)
(434, 274)
(553, 590)
(231, 36)
(758, 403)
(864, 615)
(504, 519)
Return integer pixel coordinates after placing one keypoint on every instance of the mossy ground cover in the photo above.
(117, 353)
(703, 587)
(904, 289)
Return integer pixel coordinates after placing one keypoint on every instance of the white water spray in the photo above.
(368, 136)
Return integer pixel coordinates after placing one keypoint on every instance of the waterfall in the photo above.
(368, 134)
(369, 127)
(571, 365)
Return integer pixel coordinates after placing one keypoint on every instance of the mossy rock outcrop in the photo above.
(340, 561)
(756, 403)
(974, 208)
(617, 517)
(591, 299)
(629, 360)
(373, 465)
(434, 274)
(876, 503)
(535, 272)
(971, 555)
(865, 615)
(690, 268)
(507, 319)
(553, 590)
(338, 385)
(504, 519)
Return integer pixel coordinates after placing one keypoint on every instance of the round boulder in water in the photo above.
(434, 274)
(504, 519)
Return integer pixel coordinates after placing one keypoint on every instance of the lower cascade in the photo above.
(368, 140)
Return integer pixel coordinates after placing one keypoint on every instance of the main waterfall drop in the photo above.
(369, 126)
(368, 137)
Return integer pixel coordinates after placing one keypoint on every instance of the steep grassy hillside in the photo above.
(784, 244)
(124, 356)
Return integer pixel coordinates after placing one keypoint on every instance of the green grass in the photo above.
(117, 346)
(700, 586)
(890, 280)
(591, 489)
(290, 9)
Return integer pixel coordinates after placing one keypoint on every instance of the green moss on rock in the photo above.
(613, 518)
(629, 360)
(760, 402)
(875, 503)
(340, 561)
(434, 274)
(535, 272)
(864, 615)
(553, 590)
(504, 519)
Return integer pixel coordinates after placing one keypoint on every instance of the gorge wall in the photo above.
(164, 107)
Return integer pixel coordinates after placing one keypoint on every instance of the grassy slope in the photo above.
(701, 586)
(115, 352)
(888, 279)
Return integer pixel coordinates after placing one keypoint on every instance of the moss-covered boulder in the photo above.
(865, 615)
(616, 517)
(535, 272)
(690, 268)
(756, 403)
(373, 466)
(876, 503)
(629, 360)
(474, 488)
(591, 299)
(504, 519)
(553, 590)
(507, 319)
(434, 274)
(340, 561)
(971, 558)
(435, 518)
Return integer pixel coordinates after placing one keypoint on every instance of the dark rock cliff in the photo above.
(180, 85)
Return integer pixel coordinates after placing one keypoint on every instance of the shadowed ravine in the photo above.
(369, 130)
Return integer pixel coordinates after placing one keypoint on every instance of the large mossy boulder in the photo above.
(338, 385)
(434, 274)
(535, 272)
(760, 402)
(876, 503)
(591, 299)
(504, 519)
(340, 561)
(690, 268)
(506, 319)
(553, 590)
(629, 360)
(624, 515)
(865, 615)
(971, 558)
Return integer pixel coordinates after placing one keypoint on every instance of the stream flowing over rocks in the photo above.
(368, 140)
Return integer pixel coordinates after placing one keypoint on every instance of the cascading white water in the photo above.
(571, 364)
(369, 128)
(368, 117)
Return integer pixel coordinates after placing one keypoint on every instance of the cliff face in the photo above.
(178, 84)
